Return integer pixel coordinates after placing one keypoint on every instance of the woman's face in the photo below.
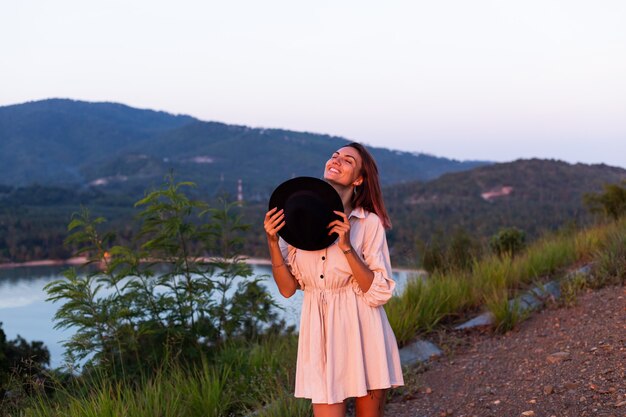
(344, 167)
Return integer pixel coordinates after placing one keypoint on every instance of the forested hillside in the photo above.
(52, 141)
(125, 150)
(532, 195)
(59, 155)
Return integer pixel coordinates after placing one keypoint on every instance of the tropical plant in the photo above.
(132, 308)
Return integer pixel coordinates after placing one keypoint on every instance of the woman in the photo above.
(346, 347)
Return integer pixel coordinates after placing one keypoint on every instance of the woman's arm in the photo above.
(286, 282)
(363, 275)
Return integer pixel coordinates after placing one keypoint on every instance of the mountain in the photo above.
(56, 155)
(533, 195)
(52, 141)
(120, 148)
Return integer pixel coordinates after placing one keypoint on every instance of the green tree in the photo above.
(28, 357)
(134, 307)
(456, 251)
(611, 202)
(509, 241)
(462, 250)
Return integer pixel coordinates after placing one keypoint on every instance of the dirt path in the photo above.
(566, 362)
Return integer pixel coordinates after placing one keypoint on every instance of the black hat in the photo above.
(308, 204)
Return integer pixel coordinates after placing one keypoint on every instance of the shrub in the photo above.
(19, 354)
(610, 203)
(135, 308)
(609, 266)
(509, 241)
(458, 252)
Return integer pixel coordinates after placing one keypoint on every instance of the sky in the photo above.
(490, 80)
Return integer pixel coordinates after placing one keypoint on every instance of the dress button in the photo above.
(323, 258)
(322, 276)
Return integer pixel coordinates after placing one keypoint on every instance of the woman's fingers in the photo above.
(342, 214)
(280, 226)
(273, 213)
(277, 220)
(272, 216)
(274, 221)
(341, 228)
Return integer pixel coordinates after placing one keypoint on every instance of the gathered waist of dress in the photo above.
(318, 290)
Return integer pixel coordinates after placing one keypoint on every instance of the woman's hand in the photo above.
(342, 228)
(274, 221)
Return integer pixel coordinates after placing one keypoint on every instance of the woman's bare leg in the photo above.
(372, 404)
(329, 410)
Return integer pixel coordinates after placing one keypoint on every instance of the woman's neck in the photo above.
(345, 193)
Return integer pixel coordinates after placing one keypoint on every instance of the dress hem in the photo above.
(396, 385)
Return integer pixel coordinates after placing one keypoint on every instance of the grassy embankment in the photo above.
(492, 281)
(241, 379)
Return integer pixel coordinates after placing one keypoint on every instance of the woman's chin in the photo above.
(330, 178)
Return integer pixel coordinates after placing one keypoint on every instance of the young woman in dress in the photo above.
(346, 347)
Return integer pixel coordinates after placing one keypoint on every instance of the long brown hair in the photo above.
(369, 195)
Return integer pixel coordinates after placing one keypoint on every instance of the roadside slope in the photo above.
(566, 362)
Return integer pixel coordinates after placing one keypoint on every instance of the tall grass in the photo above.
(173, 393)
(424, 303)
(506, 313)
(493, 280)
(242, 378)
(610, 259)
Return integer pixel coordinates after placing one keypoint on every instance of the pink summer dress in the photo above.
(346, 345)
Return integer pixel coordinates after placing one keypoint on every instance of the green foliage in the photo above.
(609, 266)
(458, 252)
(242, 378)
(545, 257)
(175, 392)
(448, 294)
(18, 355)
(507, 313)
(35, 232)
(21, 365)
(424, 303)
(134, 308)
(610, 203)
(570, 288)
(433, 254)
(545, 195)
(510, 241)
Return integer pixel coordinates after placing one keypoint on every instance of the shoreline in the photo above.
(45, 262)
(79, 260)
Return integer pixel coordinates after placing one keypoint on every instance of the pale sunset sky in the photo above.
(492, 80)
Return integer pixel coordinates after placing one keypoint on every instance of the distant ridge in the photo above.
(56, 155)
(111, 145)
(51, 141)
(534, 195)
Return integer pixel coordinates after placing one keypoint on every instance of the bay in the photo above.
(24, 310)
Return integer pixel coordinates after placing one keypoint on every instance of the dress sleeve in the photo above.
(376, 257)
(289, 258)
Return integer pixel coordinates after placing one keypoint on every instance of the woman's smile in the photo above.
(343, 167)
